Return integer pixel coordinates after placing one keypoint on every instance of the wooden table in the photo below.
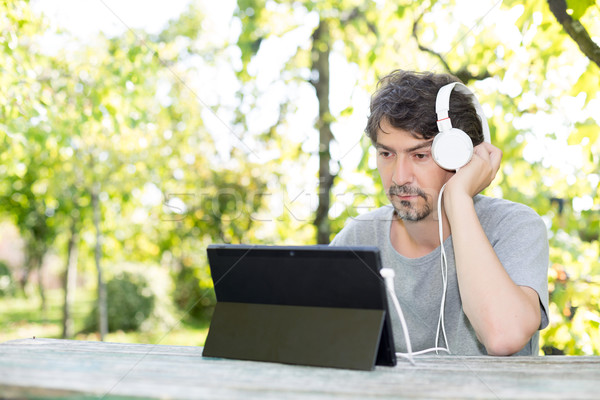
(50, 368)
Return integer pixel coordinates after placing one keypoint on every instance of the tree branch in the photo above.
(575, 30)
(357, 14)
(427, 49)
(462, 73)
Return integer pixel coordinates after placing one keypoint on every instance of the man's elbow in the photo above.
(503, 347)
(508, 335)
(503, 343)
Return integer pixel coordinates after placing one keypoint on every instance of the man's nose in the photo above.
(403, 172)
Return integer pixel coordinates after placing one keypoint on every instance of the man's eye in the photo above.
(385, 154)
(421, 156)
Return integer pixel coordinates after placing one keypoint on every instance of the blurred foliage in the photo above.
(193, 294)
(139, 297)
(130, 302)
(183, 160)
(20, 318)
(7, 284)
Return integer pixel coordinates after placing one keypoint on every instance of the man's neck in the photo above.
(417, 239)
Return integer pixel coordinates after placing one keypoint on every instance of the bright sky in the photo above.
(88, 17)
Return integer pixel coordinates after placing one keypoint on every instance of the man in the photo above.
(496, 250)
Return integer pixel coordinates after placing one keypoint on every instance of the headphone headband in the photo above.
(442, 106)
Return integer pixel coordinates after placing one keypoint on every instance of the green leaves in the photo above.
(584, 133)
(579, 7)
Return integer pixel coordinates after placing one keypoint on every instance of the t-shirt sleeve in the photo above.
(340, 238)
(522, 247)
(369, 229)
(347, 236)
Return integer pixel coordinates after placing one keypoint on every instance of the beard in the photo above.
(409, 210)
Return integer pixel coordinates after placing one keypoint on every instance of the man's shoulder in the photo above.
(496, 210)
(492, 203)
(365, 229)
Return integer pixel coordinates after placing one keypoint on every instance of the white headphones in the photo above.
(452, 148)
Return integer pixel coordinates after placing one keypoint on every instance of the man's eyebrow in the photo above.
(382, 146)
(419, 146)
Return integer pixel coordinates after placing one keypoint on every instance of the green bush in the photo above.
(194, 294)
(130, 301)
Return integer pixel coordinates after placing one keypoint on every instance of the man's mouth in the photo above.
(406, 193)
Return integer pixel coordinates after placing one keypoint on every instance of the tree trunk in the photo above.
(102, 307)
(24, 278)
(34, 262)
(70, 281)
(320, 69)
(38, 264)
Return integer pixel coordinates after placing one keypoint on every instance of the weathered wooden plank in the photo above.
(60, 368)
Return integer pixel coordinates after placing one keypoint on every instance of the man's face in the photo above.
(411, 178)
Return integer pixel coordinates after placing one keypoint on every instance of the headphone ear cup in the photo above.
(452, 149)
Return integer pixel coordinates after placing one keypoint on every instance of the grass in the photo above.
(21, 318)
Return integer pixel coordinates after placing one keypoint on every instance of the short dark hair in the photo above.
(406, 99)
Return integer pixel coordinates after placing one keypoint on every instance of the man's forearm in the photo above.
(504, 315)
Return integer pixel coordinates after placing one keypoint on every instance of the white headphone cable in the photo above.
(388, 277)
(444, 269)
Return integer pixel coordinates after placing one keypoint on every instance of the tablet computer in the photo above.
(310, 305)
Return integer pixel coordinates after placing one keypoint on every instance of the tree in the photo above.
(106, 142)
(334, 22)
(25, 197)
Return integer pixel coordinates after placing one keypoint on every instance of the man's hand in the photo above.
(478, 173)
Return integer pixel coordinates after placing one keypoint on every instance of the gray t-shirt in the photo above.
(518, 236)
